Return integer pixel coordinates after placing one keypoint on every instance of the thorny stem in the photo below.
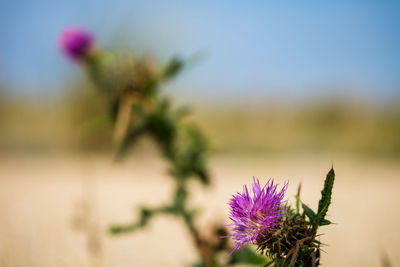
(124, 116)
(179, 209)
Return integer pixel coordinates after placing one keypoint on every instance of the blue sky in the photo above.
(294, 49)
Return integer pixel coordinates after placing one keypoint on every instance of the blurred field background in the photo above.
(283, 90)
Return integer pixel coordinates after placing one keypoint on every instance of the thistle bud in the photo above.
(76, 43)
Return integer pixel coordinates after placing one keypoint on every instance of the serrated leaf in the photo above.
(326, 193)
(325, 201)
(308, 212)
(325, 222)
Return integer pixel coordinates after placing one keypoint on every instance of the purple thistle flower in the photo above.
(76, 43)
(254, 216)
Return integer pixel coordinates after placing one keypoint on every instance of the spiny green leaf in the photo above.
(325, 201)
(326, 193)
(325, 222)
(308, 212)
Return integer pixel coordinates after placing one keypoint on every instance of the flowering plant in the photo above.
(131, 88)
(285, 235)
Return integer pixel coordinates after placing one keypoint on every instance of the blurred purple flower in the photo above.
(254, 216)
(76, 43)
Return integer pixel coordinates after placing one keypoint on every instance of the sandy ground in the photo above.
(42, 219)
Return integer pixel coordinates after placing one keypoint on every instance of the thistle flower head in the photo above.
(255, 215)
(76, 43)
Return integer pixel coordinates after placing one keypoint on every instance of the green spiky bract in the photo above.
(294, 243)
